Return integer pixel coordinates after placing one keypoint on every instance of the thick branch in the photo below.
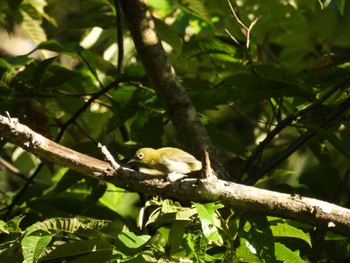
(238, 197)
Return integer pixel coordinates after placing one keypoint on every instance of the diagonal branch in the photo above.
(162, 75)
(238, 197)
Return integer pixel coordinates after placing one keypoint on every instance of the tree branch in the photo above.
(163, 78)
(238, 197)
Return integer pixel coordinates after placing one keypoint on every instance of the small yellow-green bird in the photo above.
(167, 160)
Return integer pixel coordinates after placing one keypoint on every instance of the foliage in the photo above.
(292, 79)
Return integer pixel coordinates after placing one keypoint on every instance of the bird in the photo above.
(167, 160)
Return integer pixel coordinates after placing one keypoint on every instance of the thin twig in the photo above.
(276, 160)
(108, 156)
(17, 197)
(93, 72)
(84, 107)
(236, 17)
(119, 19)
(287, 121)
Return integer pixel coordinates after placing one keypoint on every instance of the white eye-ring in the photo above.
(140, 156)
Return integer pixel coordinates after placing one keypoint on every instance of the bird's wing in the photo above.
(177, 155)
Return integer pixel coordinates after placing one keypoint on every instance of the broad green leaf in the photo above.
(286, 230)
(33, 245)
(132, 240)
(3, 227)
(123, 95)
(13, 224)
(193, 243)
(259, 239)
(120, 201)
(150, 124)
(78, 248)
(62, 46)
(14, 4)
(58, 75)
(102, 255)
(327, 183)
(176, 234)
(10, 251)
(206, 47)
(32, 24)
(56, 225)
(209, 221)
(285, 254)
(89, 60)
(333, 140)
(169, 35)
(341, 5)
(195, 8)
(227, 142)
(41, 70)
(69, 179)
(97, 191)
(245, 253)
(161, 218)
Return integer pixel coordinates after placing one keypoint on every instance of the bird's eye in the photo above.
(140, 156)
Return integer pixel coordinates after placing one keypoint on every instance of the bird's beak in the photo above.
(131, 160)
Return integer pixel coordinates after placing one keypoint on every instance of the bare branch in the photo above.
(238, 197)
(246, 30)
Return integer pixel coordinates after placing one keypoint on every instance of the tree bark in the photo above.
(238, 197)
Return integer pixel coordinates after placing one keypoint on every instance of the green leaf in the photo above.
(69, 179)
(3, 227)
(32, 25)
(33, 245)
(88, 58)
(98, 190)
(55, 225)
(286, 230)
(58, 75)
(168, 34)
(195, 8)
(209, 221)
(13, 224)
(150, 124)
(131, 240)
(206, 47)
(78, 248)
(259, 239)
(14, 4)
(63, 46)
(285, 254)
(227, 142)
(41, 70)
(123, 95)
(176, 234)
(102, 255)
(333, 140)
(327, 183)
(10, 251)
(245, 254)
(121, 201)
